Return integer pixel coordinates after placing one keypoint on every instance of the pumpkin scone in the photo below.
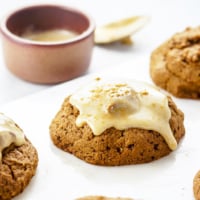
(113, 123)
(175, 64)
(196, 186)
(18, 159)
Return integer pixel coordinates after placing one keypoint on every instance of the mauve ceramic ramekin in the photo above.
(47, 62)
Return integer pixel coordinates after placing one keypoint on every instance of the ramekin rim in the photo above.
(4, 30)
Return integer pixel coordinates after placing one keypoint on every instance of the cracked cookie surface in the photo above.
(17, 167)
(175, 65)
(113, 147)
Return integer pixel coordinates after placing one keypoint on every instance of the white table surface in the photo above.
(167, 17)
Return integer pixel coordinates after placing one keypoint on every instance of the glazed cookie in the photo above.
(175, 65)
(196, 186)
(118, 123)
(18, 159)
(102, 198)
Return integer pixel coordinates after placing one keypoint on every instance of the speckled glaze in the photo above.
(47, 62)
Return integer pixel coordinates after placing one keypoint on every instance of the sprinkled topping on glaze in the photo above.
(10, 133)
(123, 105)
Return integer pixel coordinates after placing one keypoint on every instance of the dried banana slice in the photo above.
(119, 30)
